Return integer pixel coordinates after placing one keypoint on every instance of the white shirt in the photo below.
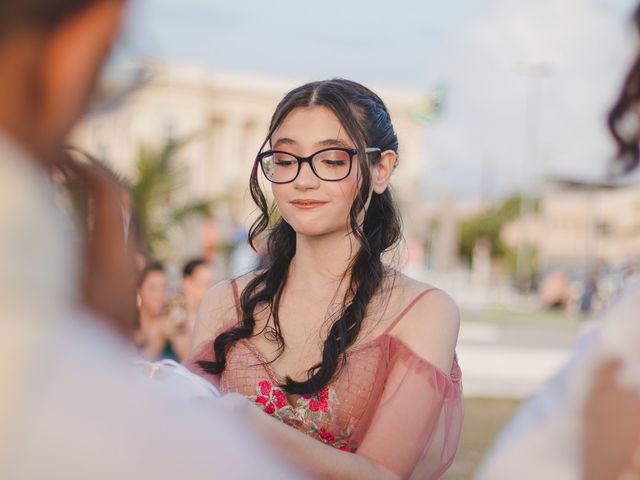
(544, 439)
(71, 405)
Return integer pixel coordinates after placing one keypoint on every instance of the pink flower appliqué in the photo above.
(319, 402)
(279, 399)
(327, 436)
(312, 409)
(272, 400)
(324, 394)
(265, 387)
(313, 405)
(324, 399)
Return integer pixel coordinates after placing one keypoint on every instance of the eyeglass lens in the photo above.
(331, 165)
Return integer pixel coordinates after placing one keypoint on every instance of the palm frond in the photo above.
(158, 178)
(198, 208)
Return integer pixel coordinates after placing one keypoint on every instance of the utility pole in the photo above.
(534, 74)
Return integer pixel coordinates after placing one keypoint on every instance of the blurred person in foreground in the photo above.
(70, 406)
(585, 423)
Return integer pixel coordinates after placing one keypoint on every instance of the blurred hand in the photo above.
(152, 339)
(611, 428)
(109, 273)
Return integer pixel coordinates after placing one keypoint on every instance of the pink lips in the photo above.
(307, 204)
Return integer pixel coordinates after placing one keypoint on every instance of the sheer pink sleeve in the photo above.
(415, 428)
(228, 321)
(204, 353)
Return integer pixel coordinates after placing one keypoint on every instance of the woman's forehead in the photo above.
(315, 126)
(155, 276)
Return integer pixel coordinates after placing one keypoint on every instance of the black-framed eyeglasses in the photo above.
(329, 164)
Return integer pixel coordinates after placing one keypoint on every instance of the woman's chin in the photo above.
(317, 231)
(311, 231)
(315, 225)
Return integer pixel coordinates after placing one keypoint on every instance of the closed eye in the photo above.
(284, 163)
(334, 163)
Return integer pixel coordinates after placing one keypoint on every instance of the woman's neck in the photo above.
(191, 306)
(147, 319)
(321, 262)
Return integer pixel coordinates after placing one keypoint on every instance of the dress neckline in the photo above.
(293, 400)
(386, 335)
(275, 377)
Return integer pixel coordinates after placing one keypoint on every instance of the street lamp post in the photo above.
(534, 74)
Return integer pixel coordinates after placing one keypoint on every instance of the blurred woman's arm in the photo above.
(611, 428)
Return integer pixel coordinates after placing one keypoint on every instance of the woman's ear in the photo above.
(382, 171)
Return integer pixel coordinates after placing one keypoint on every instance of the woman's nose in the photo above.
(306, 178)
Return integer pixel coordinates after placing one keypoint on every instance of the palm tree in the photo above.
(158, 178)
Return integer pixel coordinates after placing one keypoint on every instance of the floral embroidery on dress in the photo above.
(313, 410)
(273, 400)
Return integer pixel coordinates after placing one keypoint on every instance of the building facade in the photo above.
(227, 115)
(582, 224)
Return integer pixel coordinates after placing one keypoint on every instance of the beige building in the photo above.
(229, 114)
(580, 224)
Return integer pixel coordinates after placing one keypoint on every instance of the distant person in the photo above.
(243, 259)
(589, 293)
(153, 335)
(247, 257)
(585, 423)
(553, 292)
(197, 279)
(69, 409)
(350, 365)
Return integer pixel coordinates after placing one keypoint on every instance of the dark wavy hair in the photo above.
(152, 266)
(623, 121)
(42, 14)
(366, 120)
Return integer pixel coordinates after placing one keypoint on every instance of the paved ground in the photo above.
(503, 362)
(511, 360)
(484, 418)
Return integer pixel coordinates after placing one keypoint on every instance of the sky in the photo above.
(502, 127)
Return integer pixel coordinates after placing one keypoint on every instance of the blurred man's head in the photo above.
(51, 52)
(197, 278)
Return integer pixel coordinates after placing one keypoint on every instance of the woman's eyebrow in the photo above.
(284, 141)
(333, 142)
(330, 142)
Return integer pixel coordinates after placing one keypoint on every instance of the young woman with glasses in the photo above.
(350, 363)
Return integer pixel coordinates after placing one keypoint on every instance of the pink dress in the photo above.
(387, 404)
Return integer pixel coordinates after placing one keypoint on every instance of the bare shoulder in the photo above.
(218, 308)
(430, 326)
(243, 280)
